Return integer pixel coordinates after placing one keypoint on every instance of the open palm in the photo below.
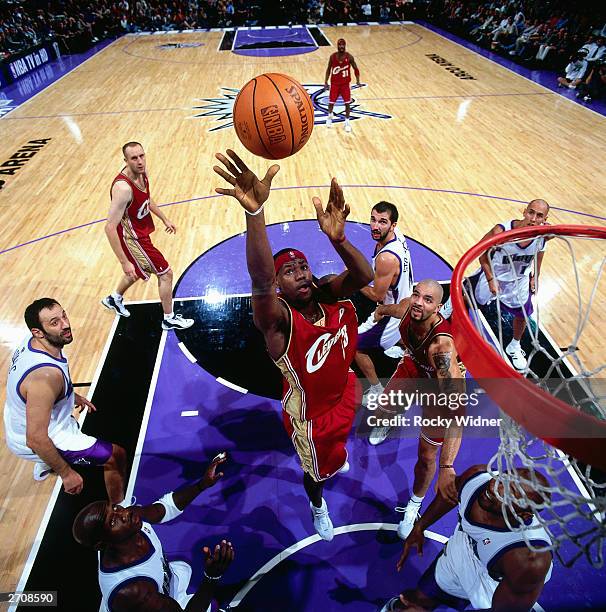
(251, 192)
(332, 220)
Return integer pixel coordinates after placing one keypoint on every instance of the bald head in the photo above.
(88, 527)
(431, 286)
(540, 203)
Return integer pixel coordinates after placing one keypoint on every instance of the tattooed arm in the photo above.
(442, 356)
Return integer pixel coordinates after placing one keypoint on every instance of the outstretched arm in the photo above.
(155, 513)
(392, 310)
(332, 222)
(269, 315)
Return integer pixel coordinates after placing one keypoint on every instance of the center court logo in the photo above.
(222, 107)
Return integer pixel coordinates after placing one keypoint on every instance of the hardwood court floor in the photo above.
(457, 156)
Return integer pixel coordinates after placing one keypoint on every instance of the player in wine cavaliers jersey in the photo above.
(128, 230)
(338, 70)
(309, 331)
(431, 354)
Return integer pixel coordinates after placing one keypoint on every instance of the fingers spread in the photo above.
(223, 174)
(318, 205)
(346, 211)
(271, 172)
(241, 165)
(227, 192)
(227, 163)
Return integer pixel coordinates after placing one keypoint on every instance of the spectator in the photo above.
(575, 70)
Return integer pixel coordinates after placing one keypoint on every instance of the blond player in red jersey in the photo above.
(309, 331)
(339, 71)
(128, 229)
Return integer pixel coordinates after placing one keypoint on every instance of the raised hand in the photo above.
(332, 220)
(247, 188)
(217, 561)
(211, 476)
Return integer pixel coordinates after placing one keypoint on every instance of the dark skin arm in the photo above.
(352, 61)
(439, 507)
(154, 513)
(143, 595)
(358, 271)
(524, 575)
(269, 314)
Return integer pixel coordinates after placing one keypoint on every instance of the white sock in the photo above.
(117, 296)
(416, 500)
(514, 344)
(378, 387)
(330, 116)
(169, 316)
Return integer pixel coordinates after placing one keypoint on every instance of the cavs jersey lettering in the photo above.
(137, 220)
(418, 347)
(340, 69)
(316, 362)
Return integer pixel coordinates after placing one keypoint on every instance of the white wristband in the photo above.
(256, 211)
(170, 510)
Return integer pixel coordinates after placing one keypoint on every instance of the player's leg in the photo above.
(425, 470)
(78, 448)
(165, 290)
(399, 382)
(136, 255)
(514, 348)
(369, 337)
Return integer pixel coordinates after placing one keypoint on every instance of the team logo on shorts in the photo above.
(222, 107)
(486, 541)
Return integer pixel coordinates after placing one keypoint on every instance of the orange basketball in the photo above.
(273, 116)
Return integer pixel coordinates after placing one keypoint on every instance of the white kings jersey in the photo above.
(25, 360)
(154, 567)
(404, 283)
(512, 265)
(490, 544)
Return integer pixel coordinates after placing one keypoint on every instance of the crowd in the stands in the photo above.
(569, 38)
(551, 34)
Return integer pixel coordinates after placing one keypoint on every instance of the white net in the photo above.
(570, 294)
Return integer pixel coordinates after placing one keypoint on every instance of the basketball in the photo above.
(273, 116)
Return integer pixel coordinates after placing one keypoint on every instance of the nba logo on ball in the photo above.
(273, 116)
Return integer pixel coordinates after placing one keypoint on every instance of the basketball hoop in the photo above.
(563, 437)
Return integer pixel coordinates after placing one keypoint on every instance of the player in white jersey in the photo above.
(38, 415)
(514, 279)
(393, 281)
(134, 574)
(484, 563)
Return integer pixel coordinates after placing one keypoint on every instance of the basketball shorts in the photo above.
(75, 447)
(320, 442)
(146, 258)
(404, 380)
(514, 295)
(341, 90)
(383, 334)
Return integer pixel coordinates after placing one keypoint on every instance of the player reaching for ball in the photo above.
(310, 332)
(339, 71)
